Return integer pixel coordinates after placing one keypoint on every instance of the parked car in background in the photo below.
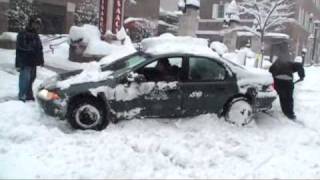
(163, 80)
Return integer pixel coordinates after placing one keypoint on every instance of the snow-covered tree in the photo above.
(268, 15)
(87, 12)
(19, 13)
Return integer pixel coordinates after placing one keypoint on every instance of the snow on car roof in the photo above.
(170, 44)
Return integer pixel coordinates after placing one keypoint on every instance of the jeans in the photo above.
(26, 79)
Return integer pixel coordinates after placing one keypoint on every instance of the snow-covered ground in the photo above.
(33, 145)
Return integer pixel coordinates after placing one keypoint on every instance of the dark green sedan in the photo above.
(163, 86)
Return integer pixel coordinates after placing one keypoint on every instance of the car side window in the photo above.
(163, 69)
(203, 69)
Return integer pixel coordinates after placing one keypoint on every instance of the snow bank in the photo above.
(168, 43)
(9, 36)
(91, 36)
(35, 146)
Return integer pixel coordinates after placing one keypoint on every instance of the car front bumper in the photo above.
(264, 101)
(263, 104)
(53, 108)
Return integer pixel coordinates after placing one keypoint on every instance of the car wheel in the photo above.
(87, 114)
(239, 112)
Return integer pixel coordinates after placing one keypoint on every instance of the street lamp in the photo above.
(316, 28)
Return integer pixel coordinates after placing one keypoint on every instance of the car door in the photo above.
(207, 86)
(163, 95)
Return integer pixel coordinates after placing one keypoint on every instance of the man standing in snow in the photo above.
(282, 71)
(29, 55)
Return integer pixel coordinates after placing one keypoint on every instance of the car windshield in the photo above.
(125, 64)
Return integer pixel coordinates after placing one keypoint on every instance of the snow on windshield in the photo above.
(91, 73)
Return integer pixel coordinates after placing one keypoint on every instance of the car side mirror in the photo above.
(134, 77)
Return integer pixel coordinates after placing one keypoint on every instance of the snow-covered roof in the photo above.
(277, 35)
(170, 44)
(170, 13)
(183, 3)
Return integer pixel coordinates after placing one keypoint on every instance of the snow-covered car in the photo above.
(165, 80)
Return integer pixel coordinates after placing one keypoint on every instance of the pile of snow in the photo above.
(9, 36)
(219, 47)
(91, 73)
(168, 43)
(91, 36)
(35, 146)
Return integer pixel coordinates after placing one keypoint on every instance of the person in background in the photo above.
(29, 55)
(282, 71)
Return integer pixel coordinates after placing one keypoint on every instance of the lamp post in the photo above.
(316, 28)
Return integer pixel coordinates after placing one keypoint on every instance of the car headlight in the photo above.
(47, 95)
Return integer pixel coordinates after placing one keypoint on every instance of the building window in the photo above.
(221, 11)
(218, 10)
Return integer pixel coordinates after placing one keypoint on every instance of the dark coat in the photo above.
(280, 68)
(29, 50)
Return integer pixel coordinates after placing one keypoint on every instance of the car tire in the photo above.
(239, 112)
(87, 114)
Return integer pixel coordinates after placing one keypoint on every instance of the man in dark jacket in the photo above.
(282, 71)
(29, 55)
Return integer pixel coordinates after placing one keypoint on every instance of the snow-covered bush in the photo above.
(19, 12)
(87, 12)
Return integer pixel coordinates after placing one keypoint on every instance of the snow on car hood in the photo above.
(254, 76)
(250, 77)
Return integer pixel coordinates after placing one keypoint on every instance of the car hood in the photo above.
(65, 80)
(253, 77)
